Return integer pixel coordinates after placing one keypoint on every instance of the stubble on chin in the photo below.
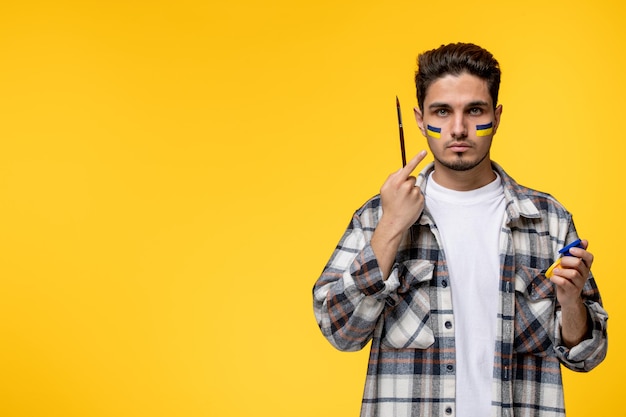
(461, 164)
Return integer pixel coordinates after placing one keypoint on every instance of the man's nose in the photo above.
(459, 127)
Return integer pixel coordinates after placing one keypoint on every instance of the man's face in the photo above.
(462, 108)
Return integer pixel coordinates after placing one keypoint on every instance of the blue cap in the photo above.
(575, 244)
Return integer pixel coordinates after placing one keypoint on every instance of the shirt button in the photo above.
(449, 410)
(449, 368)
(444, 283)
(448, 325)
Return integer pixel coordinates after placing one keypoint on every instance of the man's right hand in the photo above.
(402, 201)
(402, 204)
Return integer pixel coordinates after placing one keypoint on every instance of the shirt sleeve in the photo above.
(349, 296)
(592, 350)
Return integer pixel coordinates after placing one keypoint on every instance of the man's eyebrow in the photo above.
(439, 106)
(442, 105)
(478, 103)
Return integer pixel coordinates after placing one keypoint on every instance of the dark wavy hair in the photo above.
(455, 59)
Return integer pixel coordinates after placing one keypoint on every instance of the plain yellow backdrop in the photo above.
(175, 174)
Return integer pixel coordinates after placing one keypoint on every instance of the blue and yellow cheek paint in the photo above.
(481, 130)
(484, 130)
(433, 132)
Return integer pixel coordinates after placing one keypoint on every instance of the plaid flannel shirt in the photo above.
(410, 320)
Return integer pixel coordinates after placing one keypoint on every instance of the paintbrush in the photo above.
(401, 132)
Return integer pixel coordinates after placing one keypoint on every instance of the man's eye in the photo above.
(442, 112)
(476, 111)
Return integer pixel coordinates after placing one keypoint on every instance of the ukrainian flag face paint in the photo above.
(484, 130)
(434, 132)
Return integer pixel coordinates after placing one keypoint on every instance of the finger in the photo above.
(412, 164)
(566, 286)
(585, 256)
(566, 283)
(569, 269)
(573, 263)
(573, 276)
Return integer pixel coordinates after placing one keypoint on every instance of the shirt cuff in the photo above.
(590, 351)
(368, 277)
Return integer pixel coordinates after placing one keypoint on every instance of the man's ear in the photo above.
(497, 114)
(419, 118)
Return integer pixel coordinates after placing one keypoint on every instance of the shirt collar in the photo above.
(518, 204)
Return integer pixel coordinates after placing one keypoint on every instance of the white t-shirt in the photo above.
(469, 224)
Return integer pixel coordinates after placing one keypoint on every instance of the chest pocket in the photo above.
(406, 318)
(535, 301)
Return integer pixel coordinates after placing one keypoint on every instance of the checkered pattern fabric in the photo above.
(409, 317)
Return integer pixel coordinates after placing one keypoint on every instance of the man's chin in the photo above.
(462, 163)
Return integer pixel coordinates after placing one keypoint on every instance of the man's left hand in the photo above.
(571, 275)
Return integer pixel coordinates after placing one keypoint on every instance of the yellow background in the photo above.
(175, 174)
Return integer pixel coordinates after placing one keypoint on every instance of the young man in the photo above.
(446, 273)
